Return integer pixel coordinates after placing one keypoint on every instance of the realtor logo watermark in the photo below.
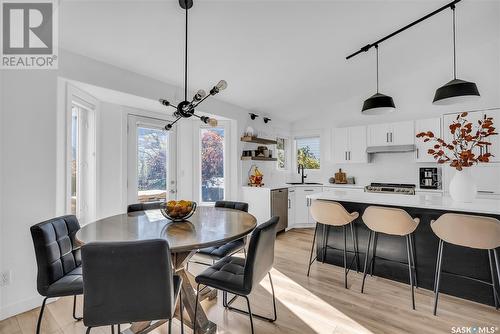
(474, 330)
(29, 34)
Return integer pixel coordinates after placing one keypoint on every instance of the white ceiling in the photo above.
(283, 58)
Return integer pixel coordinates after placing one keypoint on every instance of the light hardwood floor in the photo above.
(315, 304)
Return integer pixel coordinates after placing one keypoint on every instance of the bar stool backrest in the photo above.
(468, 230)
(392, 221)
(331, 213)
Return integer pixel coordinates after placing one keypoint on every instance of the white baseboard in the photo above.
(22, 306)
(300, 226)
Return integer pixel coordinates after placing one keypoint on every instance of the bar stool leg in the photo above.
(355, 247)
(414, 265)
(497, 263)
(493, 280)
(438, 274)
(438, 259)
(312, 249)
(325, 241)
(366, 260)
(345, 257)
(410, 270)
(372, 261)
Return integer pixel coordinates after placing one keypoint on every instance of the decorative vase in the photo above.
(462, 186)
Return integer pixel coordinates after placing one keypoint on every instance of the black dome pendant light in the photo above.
(456, 90)
(186, 109)
(378, 103)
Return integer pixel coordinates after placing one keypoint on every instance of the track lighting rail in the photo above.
(369, 46)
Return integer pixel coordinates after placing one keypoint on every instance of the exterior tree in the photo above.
(306, 158)
(212, 157)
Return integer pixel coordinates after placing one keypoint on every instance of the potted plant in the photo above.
(468, 147)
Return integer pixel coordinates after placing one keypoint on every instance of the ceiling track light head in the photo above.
(266, 120)
(253, 116)
(186, 4)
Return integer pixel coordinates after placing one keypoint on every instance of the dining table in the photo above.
(207, 227)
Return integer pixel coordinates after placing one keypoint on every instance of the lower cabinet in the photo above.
(279, 207)
(302, 203)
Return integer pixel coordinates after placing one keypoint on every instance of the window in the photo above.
(152, 164)
(212, 154)
(74, 160)
(308, 152)
(281, 153)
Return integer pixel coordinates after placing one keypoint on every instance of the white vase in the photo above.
(462, 186)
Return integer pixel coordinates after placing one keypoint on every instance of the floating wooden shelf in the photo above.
(259, 140)
(259, 158)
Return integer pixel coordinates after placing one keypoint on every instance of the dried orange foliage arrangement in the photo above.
(467, 138)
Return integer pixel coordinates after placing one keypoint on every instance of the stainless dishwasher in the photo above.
(279, 207)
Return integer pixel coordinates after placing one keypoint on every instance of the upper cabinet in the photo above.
(349, 145)
(473, 117)
(400, 133)
(425, 125)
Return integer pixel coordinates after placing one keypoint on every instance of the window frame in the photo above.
(295, 149)
(286, 150)
(225, 125)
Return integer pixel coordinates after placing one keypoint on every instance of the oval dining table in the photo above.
(209, 226)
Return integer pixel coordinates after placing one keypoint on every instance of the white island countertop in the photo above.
(425, 201)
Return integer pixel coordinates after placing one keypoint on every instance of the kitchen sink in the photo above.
(309, 183)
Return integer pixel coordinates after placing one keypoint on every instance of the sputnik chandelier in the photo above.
(186, 109)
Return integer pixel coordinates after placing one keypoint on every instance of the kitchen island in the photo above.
(391, 260)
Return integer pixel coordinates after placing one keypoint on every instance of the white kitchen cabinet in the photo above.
(399, 133)
(424, 125)
(349, 145)
(302, 203)
(291, 207)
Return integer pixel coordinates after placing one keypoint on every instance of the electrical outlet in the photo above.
(5, 278)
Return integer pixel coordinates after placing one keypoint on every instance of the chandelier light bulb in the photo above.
(199, 95)
(221, 85)
(212, 122)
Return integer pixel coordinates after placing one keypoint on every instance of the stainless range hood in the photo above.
(390, 149)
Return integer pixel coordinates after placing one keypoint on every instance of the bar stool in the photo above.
(329, 214)
(475, 232)
(391, 221)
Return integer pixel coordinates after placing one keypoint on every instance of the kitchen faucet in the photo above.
(300, 170)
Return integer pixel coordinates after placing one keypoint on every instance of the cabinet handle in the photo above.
(345, 155)
(289, 204)
(387, 137)
(309, 190)
(417, 153)
(391, 136)
(349, 155)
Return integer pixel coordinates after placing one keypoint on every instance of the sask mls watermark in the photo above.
(29, 34)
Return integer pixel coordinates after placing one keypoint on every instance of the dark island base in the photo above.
(456, 260)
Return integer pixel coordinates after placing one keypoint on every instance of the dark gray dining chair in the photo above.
(58, 260)
(239, 276)
(216, 253)
(145, 206)
(129, 281)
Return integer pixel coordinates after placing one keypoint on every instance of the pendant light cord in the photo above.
(186, 59)
(376, 50)
(454, 45)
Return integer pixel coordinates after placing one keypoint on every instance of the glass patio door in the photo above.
(151, 160)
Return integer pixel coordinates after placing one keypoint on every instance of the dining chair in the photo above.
(58, 260)
(129, 281)
(333, 214)
(395, 222)
(474, 232)
(145, 206)
(239, 276)
(215, 253)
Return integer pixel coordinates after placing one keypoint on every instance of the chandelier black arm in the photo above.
(203, 99)
(178, 118)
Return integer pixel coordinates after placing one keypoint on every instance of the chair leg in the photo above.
(410, 270)
(249, 313)
(345, 256)
(312, 249)
(88, 330)
(437, 265)
(366, 260)
(438, 275)
(170, 326)
(372, 261)
(414, 264)
(196, 308)
(39, 323)
(355, 246)
(245, 252)
(493, 280)
(229, 307)
(119, 329)
(181, 309)
(74, 310)
(497, 264)
(112, 329)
